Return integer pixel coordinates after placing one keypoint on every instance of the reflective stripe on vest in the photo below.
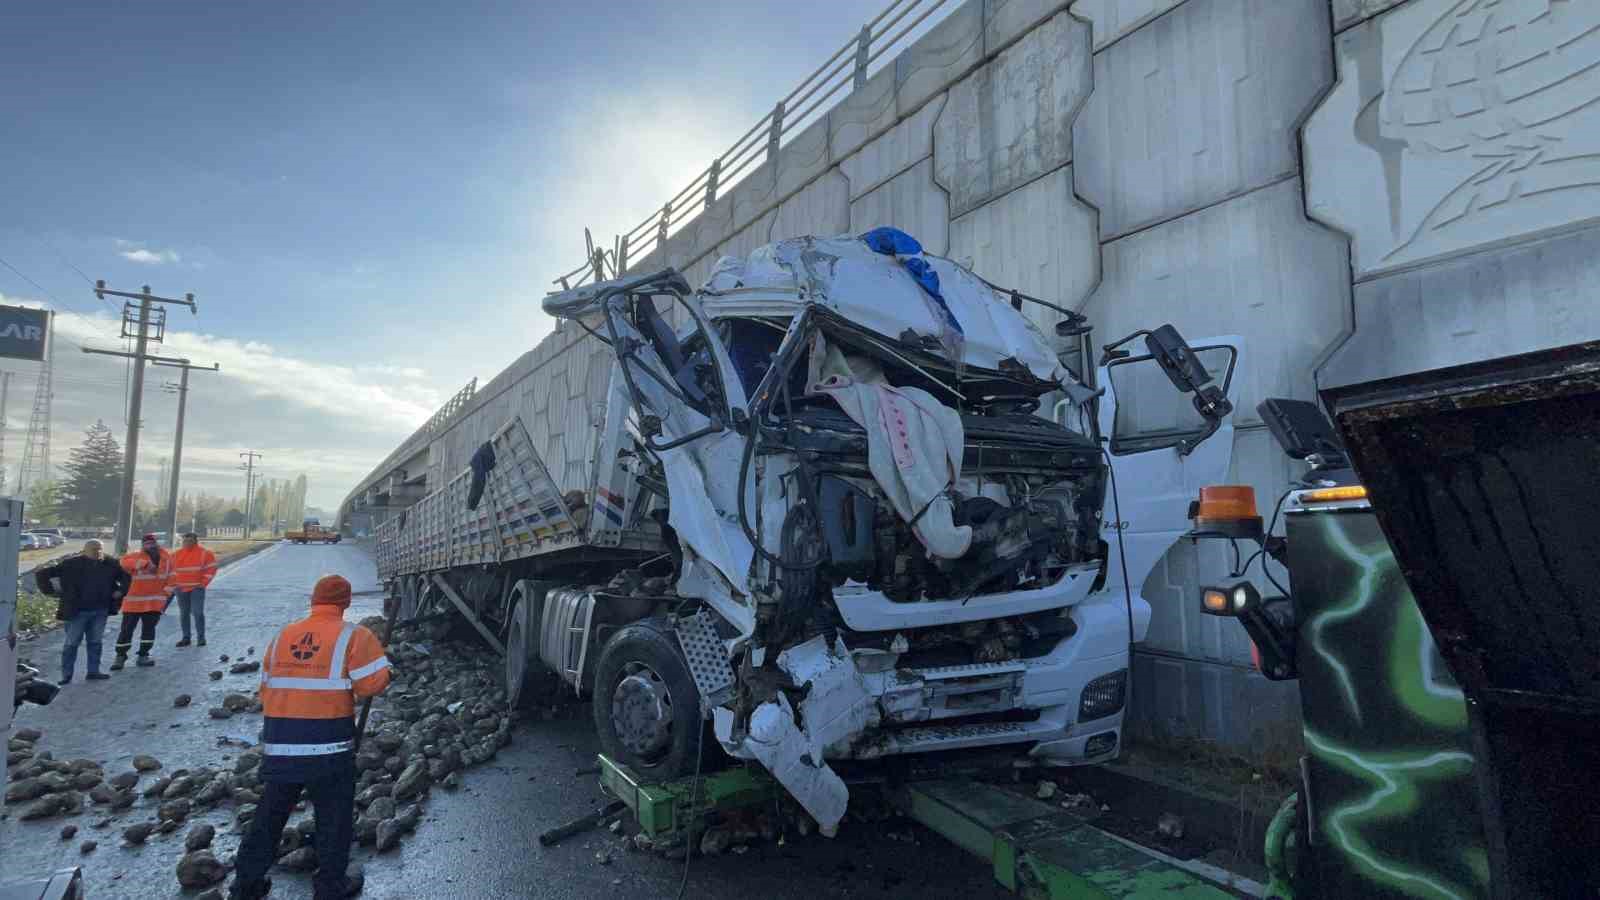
(272, 647)
(308, 749)
(371, 668)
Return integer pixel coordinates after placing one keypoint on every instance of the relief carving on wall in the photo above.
(1458, 124)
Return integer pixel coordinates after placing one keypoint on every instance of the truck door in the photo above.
(1162, 451)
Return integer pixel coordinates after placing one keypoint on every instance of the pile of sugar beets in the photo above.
(444, 712)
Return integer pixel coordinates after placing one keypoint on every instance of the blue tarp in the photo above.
(894, 242)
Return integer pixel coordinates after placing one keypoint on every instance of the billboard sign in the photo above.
(22, 332)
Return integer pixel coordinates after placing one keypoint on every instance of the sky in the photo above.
(367, 200)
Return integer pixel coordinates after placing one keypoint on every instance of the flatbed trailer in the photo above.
(1036, 850)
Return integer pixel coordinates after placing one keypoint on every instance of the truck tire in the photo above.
(527, 680)
(646, 706)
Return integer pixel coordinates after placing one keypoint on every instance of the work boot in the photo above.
(144, 662)
(251, 891)
(119, 662)
(201, 642)
(98, 676)
(65, 680)
(184, 643)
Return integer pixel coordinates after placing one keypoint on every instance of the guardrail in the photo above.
(849, 66)
(436, 423)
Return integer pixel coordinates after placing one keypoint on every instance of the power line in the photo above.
(53, 298)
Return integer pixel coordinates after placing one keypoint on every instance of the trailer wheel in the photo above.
(646, 706)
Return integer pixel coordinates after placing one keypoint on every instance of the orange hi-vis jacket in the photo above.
(193, 567)
(151, 582)
(313, 673)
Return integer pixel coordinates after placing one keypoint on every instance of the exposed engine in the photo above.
(1030, 491)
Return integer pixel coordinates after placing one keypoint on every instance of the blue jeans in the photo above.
(88, 625)
(193, 603)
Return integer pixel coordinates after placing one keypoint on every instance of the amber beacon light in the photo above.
(1227, 510)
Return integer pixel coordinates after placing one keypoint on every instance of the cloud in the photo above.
(332, 422)
(150, 257)
(394, 371)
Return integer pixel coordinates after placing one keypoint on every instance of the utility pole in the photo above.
(249, 467)
(5, 396)
(148, 314)
(182, 390)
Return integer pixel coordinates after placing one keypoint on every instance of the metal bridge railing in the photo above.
(848, 67)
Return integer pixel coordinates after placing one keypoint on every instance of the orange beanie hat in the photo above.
(333, 590)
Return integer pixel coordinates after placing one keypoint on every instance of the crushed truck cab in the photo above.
(887, 538)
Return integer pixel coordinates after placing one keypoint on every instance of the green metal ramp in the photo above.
(1037, 850)
(1040, 851)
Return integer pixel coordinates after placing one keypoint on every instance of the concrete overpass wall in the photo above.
(1148, 161)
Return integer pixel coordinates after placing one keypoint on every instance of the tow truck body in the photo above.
(1445, 591)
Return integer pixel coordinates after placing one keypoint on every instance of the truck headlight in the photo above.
(1103, 696)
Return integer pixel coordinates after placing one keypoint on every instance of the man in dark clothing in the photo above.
(88, 587)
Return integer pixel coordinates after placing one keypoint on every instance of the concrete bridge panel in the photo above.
(863, 114)
(1011, 120)
(946, 52)
(1199, 106)
(1459, 126)
(1253, 266)
(910, 202)
(1005, 21)
(1116, 19)
(822, 208)
(1531, 297)
(1039, 239)
(1353, 12)
(892, 153)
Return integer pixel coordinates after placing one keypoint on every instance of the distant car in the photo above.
(30, 542)
(57, 533)
(47, 539)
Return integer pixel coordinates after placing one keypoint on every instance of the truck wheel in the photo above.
(646, 707)
(526, 679)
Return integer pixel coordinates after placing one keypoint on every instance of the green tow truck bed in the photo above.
(1037, 850)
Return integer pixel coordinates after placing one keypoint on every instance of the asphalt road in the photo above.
(480, 842)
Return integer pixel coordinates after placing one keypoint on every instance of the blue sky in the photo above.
(367, 199)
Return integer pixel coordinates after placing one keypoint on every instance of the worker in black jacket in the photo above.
(89, 587)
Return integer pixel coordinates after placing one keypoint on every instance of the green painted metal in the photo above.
(1282, 849)
(1037, 851)
(1040, 851)
(664, 809)
(1390, 763)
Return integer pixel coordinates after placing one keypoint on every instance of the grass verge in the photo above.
(34, 611)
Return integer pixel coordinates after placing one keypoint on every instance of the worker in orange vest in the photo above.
(193, 567)
(312, 674)
(151, 569)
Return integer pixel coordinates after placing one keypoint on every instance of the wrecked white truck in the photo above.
(854, 504)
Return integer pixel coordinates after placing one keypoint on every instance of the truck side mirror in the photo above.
(1177, 359)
